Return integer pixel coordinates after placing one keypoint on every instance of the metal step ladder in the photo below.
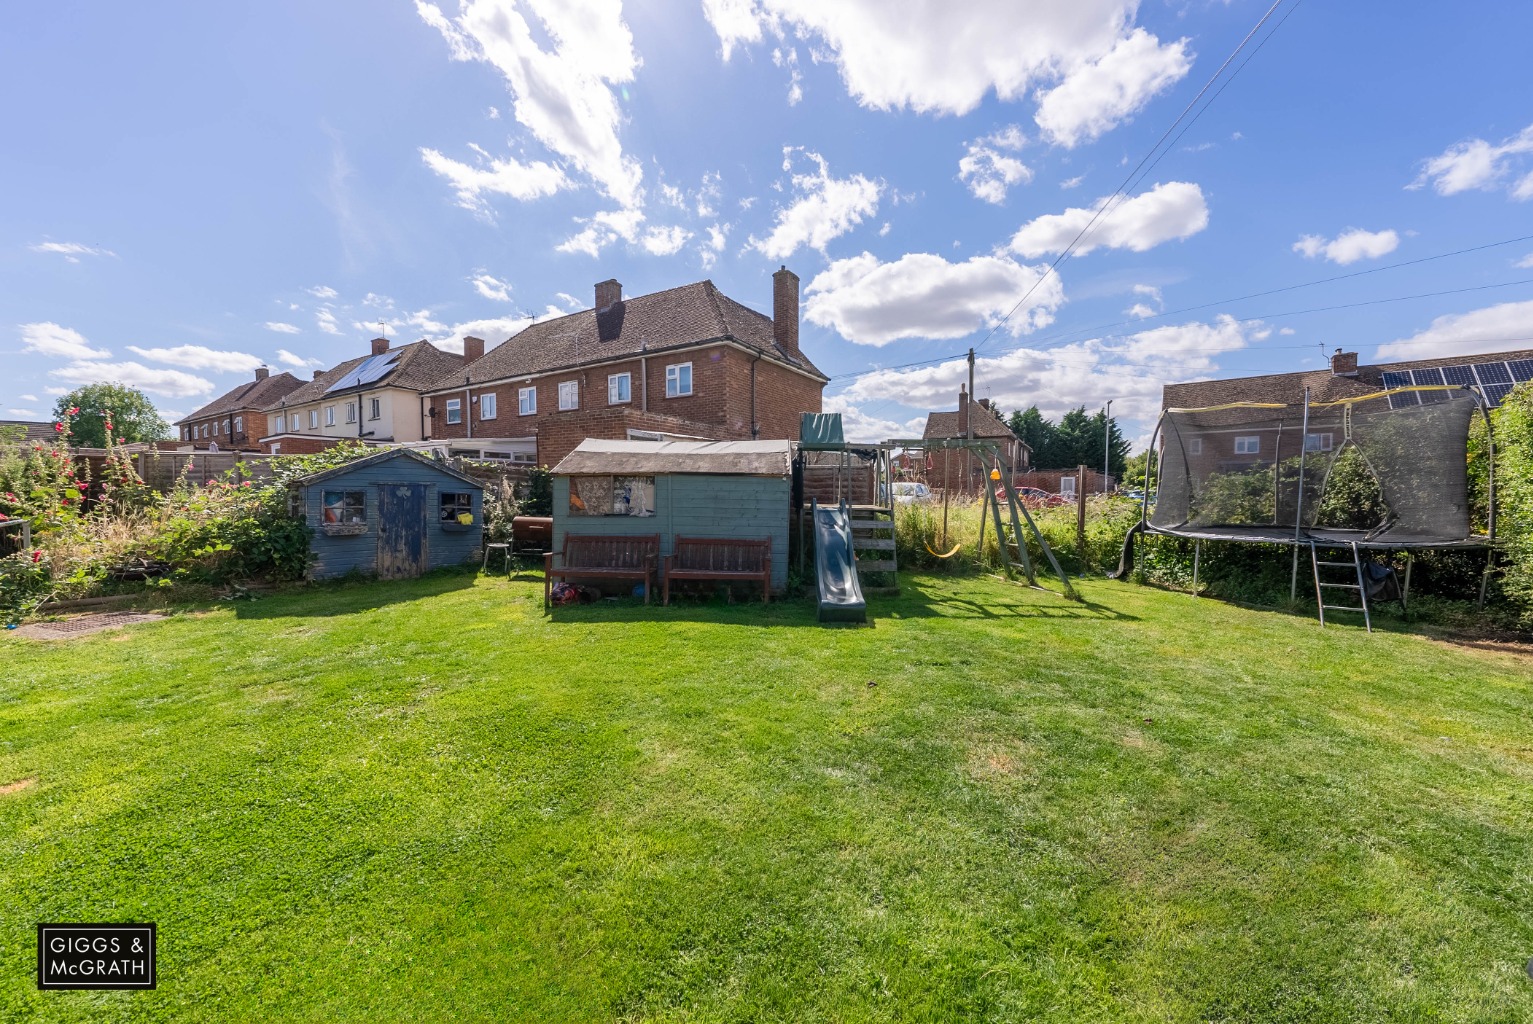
(1358, 586)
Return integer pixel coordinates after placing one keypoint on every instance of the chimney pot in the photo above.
(608, 293)
(380, 346)
(262, 372)
(963, 411)
(473, 348)
(1344, 364)
(785, 310)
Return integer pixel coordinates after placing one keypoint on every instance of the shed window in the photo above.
(345, 506)
(678, 380)
(612, 496)
(619, 388)
(526, 401)
(455, 504)
(1248, 445)
(455, 410)
(569, 395)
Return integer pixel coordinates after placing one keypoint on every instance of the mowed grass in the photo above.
(428, 801)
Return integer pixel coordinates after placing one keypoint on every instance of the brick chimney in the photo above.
(473, 348)
(963, 412)
(608, 293)
(380, 346)
(318, 374)
(984, 403)
(785, 310)
(262, 373)
(1344, 364)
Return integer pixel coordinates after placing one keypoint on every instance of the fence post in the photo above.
(1080, 511)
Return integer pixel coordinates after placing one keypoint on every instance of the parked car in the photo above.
(908, 492)
(1037, 497)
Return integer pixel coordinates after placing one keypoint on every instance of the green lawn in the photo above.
(427, 801)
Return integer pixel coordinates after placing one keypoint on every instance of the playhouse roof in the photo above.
(652, 458)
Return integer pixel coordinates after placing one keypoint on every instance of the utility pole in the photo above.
(1106, 443)
(967, 418)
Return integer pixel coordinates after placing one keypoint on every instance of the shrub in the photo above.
(1514, 495)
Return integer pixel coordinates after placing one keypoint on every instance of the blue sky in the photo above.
(192, 189)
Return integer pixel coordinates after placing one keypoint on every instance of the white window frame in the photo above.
(329, 415)
(239, 424)
(281, 423)
(617, 383)
(527, 401)
(1249, 444)
(569, 395)
(375, 408)
(1319, 442)
(673, 380)
(351, 412)
(313, 419)
(1194, 446)
(1067, 486)
(487, 406)
(276, 448)
(455, 410)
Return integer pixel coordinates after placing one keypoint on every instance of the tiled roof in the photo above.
(34, 431)
(253, 394)
(420, 364)
(986, 423)
(1324, 386)
(676, 317)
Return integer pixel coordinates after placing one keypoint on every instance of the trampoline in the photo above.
(1257, 473)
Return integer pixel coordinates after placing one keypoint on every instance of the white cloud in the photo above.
(199, 357)
(860, 426)
(1139, 311)
(789, 59)
(709, 251)
(55, 391)
(49, 339)
(1130, 371)
(1476, 164)
(281, 328)
(1070, 183)
(1350, 246)
(492, 288)
(327, 322)
(665, 241)
(172, 383)
(507, 177)
(322, 291)
(921, 295)
(562, 95)
(1525, 263)
(823, 209)
(1097, 96)
(71, 251)
(26, 414)
(602, 229)
(28, 398)
(928, 57)
(988, 171)
(287, 358)
(1496, 328)
(1173, 210)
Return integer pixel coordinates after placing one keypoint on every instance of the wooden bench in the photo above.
(617, 558)
(719, 558)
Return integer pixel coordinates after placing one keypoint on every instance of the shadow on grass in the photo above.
(355, 594)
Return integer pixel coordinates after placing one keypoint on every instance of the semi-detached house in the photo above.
(687, 362)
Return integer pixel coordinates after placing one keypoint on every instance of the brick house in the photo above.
(1246, 441)
(374, 398)
(236, 421)
(687, 362)
(964, 471)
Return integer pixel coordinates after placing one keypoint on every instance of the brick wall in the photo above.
(252, 428)
(293, 444)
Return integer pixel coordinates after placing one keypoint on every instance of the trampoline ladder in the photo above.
(1356, 565)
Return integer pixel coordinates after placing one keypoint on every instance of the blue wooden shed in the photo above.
(395, 514)
(734, 489)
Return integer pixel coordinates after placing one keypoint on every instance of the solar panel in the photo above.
(369, 370)
(1403, 399)
(1494, 393)
(1492, 373)
(1522, 369)
(1460, 375)
(1396, 379)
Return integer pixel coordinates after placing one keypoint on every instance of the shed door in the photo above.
(401, 530)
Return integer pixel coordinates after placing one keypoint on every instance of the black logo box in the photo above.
(96, 956)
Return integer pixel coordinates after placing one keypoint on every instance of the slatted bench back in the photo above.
(610, 552)
(712, 554)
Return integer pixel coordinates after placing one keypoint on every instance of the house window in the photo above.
(678, 380)
(217, 427)
(281, 424)
(239, 424)
(313, 419)
(351, 412)
(1317, 442)
(454, 505)
(569, 395)
(455, 410)
(183, 433)
(374, 408)
(526, 401)
(344, 506)
(276, 449)
(487, 406)
(1195, 446)
(1248, 445)
(329, 415)
(619, 388)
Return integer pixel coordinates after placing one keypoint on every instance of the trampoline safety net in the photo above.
(1252, 471)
